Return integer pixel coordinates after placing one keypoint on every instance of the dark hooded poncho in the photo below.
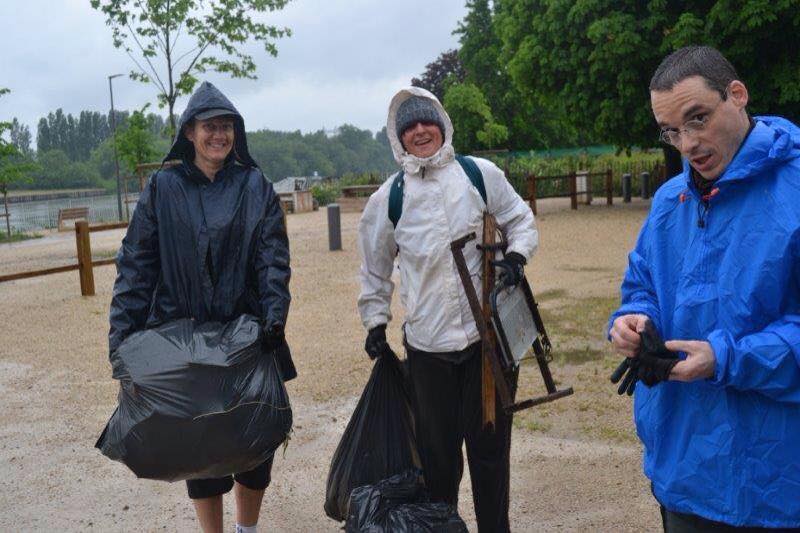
(202, 249)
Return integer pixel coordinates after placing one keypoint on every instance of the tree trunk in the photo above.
(173, 128)
(672, 161)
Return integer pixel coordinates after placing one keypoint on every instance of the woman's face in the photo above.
(212, 140)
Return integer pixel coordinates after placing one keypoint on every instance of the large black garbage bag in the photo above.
(196, 401)
(379, 439)
(400, 504)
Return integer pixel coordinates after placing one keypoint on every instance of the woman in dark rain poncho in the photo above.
(207, 241)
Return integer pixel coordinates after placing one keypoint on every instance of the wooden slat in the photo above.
(37, 273)
(489, 345)
(108, 226)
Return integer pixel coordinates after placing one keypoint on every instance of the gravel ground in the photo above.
(575, 463)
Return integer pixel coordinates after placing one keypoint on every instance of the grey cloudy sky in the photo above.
(344, 61)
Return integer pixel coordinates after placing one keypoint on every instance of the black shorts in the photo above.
(255, 479)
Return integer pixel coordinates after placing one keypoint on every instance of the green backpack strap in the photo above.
(396, 198)
(473, 173)
(396, 192)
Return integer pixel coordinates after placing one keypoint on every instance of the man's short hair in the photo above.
(703, 61)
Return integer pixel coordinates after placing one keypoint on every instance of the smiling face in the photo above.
(724, 122)
(422, 139)
(212, 140)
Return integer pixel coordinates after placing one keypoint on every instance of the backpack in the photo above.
(396, 192)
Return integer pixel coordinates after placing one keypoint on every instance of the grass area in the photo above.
(577, 329)
(582, 359)
(17, 236)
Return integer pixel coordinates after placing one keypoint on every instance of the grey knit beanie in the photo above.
(416, 109)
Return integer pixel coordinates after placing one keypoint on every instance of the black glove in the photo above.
(652, 364)
(655, 361)
(273, 338)
(376, 344)
(512, 269)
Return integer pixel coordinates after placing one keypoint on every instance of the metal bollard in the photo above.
(626, 188)
(645, 180)
(334, 228)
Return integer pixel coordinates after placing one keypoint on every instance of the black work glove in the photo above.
(376, 344)
(652, 364)
(512, 269)
(655, 361)
(273, 338)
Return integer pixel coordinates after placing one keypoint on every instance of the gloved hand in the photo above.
(376, 344)
(656, 362)
(512, 269)
(273, 338)
(652, 364)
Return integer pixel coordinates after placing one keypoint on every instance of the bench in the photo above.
(354, 197)
(71, 213)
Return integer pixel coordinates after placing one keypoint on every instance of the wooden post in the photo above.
(573, 190)
(84, 252)
(487, 379)
(532, 192)
(609, 188)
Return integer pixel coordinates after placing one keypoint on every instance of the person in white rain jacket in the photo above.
(440, 204)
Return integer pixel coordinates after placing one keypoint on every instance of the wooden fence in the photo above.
(572, 181)
(83, 252)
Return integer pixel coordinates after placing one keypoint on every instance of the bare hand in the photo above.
(625, 334)
(699, 363)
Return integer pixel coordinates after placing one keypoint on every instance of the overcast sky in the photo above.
(344, 61)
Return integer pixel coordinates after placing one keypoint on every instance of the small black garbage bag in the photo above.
(400, 504)
(379, 439)
(196, 401)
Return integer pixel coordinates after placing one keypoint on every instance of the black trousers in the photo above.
(689, 523)
(448, 411)
(255, 479)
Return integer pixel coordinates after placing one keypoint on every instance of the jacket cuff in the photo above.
(375, 322)
(719, 343)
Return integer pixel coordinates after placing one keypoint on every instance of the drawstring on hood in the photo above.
(207, 98)
(412, 164)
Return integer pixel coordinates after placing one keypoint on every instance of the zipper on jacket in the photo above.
(423, 172)
(702, 213)
(704, 205)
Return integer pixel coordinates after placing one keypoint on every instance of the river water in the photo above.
(39, 215)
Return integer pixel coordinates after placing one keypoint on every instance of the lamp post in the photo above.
(116, 159)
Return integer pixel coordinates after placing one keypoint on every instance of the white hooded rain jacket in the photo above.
(440, 205)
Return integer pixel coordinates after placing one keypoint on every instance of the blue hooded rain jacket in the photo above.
(726, 448)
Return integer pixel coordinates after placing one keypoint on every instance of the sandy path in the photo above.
(56, 385)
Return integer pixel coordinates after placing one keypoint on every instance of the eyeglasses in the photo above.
(690, 128)
(214, 127)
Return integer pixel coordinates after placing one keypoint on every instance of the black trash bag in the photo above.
(379, 439)
(196, 401)
(400, 504)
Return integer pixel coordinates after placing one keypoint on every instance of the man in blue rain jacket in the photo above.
(717, 270)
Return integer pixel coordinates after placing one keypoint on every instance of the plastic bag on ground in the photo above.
(379, 439)
(400, 505)
(196, 401)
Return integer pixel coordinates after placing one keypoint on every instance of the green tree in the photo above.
(157, 31)
(21, 138)
(14, 169)
(446, 69)
(136, 143)
(531, 123)
(474, 126)
(595, 57)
